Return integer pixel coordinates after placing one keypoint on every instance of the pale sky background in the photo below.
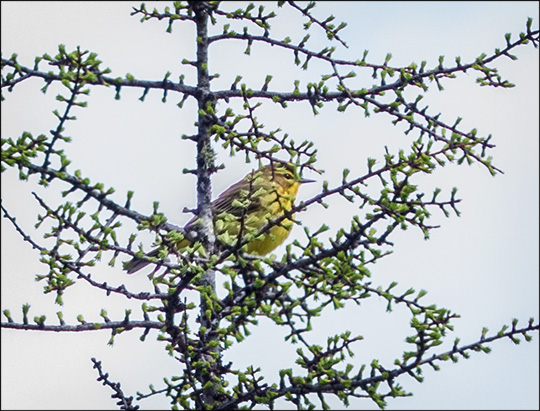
(483, 265)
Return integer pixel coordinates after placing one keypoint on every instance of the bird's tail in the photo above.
(135, 264)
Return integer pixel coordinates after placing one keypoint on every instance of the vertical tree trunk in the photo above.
(208, 375)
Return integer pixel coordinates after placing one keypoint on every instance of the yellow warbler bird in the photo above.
(247, 206)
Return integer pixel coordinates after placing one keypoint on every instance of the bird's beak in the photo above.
(305, 181)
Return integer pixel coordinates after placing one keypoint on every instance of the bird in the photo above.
(244, 208)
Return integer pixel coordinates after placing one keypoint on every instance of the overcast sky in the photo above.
(483, 265)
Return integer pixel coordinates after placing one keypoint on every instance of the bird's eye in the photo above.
(288, 176)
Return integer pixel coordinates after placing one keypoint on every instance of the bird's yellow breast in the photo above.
(274, 202)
